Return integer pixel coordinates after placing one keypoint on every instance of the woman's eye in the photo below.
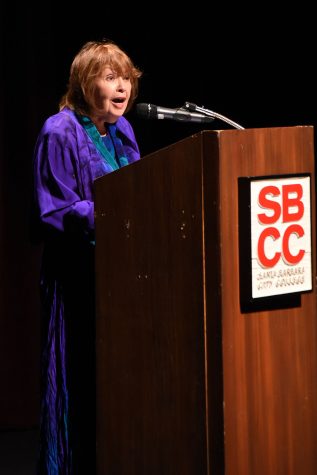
(110, 77)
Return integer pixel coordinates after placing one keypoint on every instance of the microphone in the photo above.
(150, 111)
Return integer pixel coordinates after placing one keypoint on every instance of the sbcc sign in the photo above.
(280, 236)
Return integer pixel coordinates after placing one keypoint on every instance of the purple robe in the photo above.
(66, 163)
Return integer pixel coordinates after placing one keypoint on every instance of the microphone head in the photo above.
(147, 111)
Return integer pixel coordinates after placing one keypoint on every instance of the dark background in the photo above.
(255, 67)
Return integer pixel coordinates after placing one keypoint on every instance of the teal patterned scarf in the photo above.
(115, 162)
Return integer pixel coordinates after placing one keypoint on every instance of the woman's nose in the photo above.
(120, 83)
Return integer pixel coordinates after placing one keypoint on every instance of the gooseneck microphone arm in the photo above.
(193, 108)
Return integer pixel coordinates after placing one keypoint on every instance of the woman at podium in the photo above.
(88, 138)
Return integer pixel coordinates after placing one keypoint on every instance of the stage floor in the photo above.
(18, 452)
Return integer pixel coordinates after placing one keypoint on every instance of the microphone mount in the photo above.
(194, 108)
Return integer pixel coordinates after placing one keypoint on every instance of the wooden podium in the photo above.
(187, 382)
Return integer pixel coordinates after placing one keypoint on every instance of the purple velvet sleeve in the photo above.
(56, 183)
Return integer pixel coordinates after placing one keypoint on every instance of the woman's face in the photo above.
(112, 94)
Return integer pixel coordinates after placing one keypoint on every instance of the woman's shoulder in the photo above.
(61, 123)
(125, 128)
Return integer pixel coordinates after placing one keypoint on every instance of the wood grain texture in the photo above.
(151, 384)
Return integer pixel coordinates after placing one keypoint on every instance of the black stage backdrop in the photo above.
(256, 68)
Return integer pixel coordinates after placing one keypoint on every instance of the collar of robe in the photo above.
(95, 136)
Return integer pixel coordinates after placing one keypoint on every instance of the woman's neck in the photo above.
(100, 125)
